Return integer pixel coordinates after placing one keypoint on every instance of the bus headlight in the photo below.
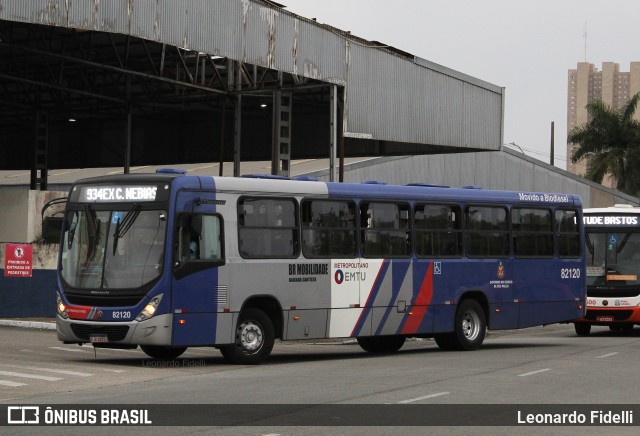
(62, 310)
(150, 309)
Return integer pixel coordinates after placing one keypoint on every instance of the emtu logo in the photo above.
(339, 276)
(23, 415)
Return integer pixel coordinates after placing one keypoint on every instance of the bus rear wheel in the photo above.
(158, 352)
(582, 328)
(381, 344)
(254, 339)
(470, 328)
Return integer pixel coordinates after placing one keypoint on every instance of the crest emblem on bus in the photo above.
(500, 270)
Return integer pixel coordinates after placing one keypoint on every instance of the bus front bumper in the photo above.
(154, 331)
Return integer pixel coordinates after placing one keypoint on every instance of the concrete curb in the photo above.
(28, 324)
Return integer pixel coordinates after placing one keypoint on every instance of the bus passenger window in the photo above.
(532, 232)
(486, 231)
(328, 228)
(438, 230)
(385, 230)
(267, 228)
(568, 233)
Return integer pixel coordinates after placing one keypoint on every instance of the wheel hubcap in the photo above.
(250, 336)
(470, 325)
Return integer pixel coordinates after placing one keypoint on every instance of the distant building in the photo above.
(586, 83)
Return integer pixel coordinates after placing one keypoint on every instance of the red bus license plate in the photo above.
(98, 338)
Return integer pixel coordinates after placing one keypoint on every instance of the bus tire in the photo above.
(381, 344)
(165, 353)
(254, 339)
(470, 326)
(582, 328)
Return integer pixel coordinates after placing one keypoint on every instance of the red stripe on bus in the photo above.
(420, 306)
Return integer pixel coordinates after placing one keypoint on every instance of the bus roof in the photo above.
(392, 192)
(413, 192)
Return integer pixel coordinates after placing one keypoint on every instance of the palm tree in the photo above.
(611, 142)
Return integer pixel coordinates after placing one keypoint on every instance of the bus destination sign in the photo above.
(610, 220)
(105, 194)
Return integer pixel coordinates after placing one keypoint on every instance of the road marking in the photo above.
(607, 355)
(59, 371)
(10, 383)
(39, 377)
(423, 398)
(114, 370)
(534, 372)
(68, 349)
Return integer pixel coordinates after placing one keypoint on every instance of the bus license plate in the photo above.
(98, 339)
(604, 318)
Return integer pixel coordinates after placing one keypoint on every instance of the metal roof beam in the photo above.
(105, 67)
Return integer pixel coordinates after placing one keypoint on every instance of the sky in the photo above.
(525, 46)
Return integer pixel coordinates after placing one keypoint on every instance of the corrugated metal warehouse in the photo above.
(125, 83)
(162, 82)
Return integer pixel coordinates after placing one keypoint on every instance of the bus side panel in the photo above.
(387, 319)
(444, 316)
(545, 312)
(419, 314)
(492, 278)
(305, 324)
(225, 327)
(550, 290)
(355, 285)
(504, 316)
(384, 283)
(194, 329)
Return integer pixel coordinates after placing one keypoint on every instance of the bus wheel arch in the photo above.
(482, 300)
(259, 323)
(271, 307)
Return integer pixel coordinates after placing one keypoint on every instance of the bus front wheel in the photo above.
(254, 339)
(158, 352)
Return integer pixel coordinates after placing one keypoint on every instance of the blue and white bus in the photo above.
(167, 261)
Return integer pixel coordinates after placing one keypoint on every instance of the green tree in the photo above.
(611, 143)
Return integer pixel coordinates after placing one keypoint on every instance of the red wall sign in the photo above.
(18, 260)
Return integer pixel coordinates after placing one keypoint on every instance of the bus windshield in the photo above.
(112, 249)
(613, 259)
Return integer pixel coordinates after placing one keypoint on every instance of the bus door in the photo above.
(197, 256)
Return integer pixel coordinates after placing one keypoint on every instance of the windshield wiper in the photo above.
(122, 227)
(93, 228)
(590, 247)
(624, 242)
